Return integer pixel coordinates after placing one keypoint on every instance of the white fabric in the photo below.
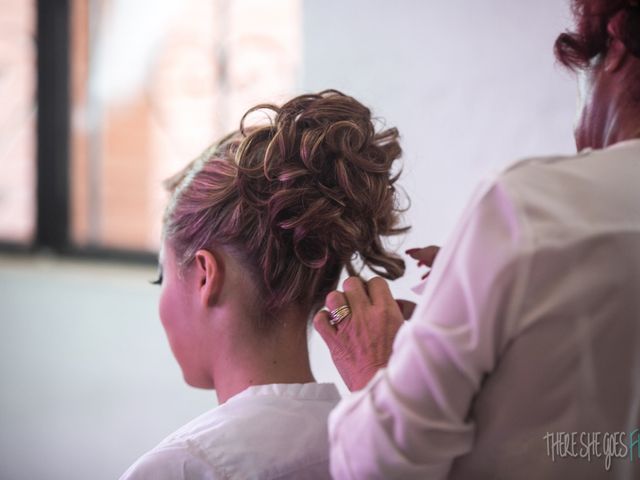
(530, 323)
(265, 432)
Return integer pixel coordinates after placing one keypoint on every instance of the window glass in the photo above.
(150, 92)
(17, 121)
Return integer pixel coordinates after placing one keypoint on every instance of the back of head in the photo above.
(294, 199)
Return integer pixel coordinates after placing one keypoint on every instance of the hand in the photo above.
(360, 344)
(425, 256)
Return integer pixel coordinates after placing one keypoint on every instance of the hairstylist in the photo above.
(524, 351)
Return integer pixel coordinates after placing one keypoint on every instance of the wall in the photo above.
(472, 86)
(88, 382)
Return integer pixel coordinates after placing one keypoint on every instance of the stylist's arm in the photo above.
(413, 383)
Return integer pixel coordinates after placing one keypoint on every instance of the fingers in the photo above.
(379, 292)
(425, 256)
(322, 320)
(407, 308)
(355, 296)
(356, 293)
(335, 299)
(359, 297)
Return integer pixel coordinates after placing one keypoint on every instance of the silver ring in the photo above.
(339, 314)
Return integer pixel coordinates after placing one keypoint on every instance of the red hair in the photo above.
(591, 37)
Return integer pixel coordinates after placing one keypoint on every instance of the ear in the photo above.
(617, 51)
(616, 56)
(209, 273)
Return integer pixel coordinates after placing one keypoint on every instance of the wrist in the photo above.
(363, 377)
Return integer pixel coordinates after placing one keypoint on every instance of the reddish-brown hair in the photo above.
(295, 199)
(576, 49)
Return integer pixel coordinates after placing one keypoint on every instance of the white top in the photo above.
(265, 432)
(529, 324)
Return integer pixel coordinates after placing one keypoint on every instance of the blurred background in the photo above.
(102, 99)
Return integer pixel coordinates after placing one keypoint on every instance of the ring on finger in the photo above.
(339, 314)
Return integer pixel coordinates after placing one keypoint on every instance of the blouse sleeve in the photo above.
(412, 420)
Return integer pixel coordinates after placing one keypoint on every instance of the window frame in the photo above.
(53, 139)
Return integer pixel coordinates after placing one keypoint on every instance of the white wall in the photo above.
(87, 380)
(471, 85)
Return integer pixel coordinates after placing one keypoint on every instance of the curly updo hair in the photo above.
(294, 199)
(591, 38)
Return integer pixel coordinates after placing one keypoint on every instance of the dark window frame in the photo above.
(53, 136)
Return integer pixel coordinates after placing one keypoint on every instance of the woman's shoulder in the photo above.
(586, 167)
(266, 430)
(564, 189)
(172, 462)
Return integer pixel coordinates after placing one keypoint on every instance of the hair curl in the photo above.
(591, 38)
(297, 198)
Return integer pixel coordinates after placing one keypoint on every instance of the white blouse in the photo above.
(265, 432)
(522, 359)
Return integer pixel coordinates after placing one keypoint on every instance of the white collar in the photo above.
(622, 144)
(302, 391)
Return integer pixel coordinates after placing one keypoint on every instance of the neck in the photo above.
(622, 124)
(614, 115)
(256, 358)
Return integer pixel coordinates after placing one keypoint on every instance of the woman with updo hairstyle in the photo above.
(522, 359)
(257, 231)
